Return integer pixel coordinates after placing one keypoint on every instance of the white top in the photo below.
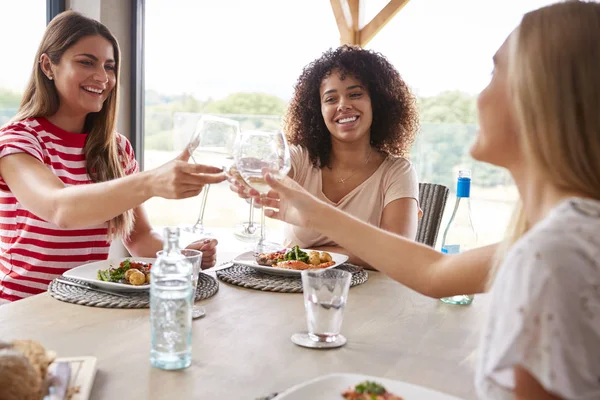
(545, 308)
(395, 178)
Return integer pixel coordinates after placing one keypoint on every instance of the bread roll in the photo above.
(37, 355)
(19, 380)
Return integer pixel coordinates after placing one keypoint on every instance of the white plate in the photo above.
(248, 258)
(332, 386)
(89, 273)
(83, 371)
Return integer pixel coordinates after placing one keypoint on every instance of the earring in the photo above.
(50, 77)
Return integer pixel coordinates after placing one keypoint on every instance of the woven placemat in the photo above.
(248, 277)
(207, 287)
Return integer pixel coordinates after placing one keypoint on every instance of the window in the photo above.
(236, 59)
(444, 51)
(20, 39)
(239, 60)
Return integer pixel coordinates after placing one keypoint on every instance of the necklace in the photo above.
(343, 180)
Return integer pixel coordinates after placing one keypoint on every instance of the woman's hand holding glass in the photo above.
(255, 151)
(287, 201)
(179, 179)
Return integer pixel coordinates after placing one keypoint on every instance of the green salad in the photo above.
(295, 254)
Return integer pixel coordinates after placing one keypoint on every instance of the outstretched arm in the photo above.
(399, 217)
(415, 265)
(78, 206)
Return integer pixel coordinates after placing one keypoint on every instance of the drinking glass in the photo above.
(212, 143)
(195, 258)
(325, 295)
(258, 150)
(246, 231)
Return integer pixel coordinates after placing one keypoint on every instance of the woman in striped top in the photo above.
(69, 183)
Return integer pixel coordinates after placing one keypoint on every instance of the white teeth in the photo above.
(93, 90)
(346, 120)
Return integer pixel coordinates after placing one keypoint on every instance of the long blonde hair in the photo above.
(554, 78)
(102, 151)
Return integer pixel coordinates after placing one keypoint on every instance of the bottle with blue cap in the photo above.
(459, 234)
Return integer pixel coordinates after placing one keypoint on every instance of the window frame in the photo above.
(136, 138)
(53, 8)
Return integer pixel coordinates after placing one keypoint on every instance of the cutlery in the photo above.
(79, 285)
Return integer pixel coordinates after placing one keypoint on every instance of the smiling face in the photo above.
(346, 107)
(84, 76)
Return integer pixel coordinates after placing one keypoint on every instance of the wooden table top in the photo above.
(242, 348)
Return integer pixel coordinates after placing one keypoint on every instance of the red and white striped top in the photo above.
(32, 250)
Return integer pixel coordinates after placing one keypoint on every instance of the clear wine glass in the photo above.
(212, 143)
(256, 151)
(245, 231)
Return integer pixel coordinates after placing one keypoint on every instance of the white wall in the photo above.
(116, 15)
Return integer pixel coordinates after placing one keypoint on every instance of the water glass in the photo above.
(325, 295)
(195, 258)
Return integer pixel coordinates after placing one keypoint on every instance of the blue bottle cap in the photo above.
(463, 186)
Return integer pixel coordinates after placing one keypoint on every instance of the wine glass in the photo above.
(212, 143)
(246, 231)
(256, 151)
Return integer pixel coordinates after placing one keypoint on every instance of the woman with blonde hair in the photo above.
(69, 183)
(539, 119)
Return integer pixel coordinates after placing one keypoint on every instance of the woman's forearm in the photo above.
(86, 205)
(415, 265)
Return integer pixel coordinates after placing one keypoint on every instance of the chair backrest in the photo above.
(432, 199)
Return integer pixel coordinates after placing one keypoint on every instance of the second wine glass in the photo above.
(212, 143)
(255, 151)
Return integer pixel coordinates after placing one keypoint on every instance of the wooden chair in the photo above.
(432, 199)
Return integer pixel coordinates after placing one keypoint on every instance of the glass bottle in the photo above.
(459, 234)
(171, 306)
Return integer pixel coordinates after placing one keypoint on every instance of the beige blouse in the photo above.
(394, 179)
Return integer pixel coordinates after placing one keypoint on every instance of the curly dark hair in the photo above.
(395, 116)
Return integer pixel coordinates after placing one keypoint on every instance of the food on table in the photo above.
(369, 391)
(325, 257)
(295, 258)
(128, 272)
(23, 368)
(300, 265)
(268, 259)
(314, 258)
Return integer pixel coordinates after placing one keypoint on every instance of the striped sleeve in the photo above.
(130, 164)
(18, 138)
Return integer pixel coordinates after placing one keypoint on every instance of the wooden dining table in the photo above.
(242, 347)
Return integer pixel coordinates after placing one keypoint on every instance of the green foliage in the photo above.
(448, 130)
(247, 103)
(451, 107)
(9, 99)
(448, 127)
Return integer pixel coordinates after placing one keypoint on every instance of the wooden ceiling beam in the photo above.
(353, 5)
(346, 17)
(384, 16)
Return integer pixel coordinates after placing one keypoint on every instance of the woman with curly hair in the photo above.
(351, 123)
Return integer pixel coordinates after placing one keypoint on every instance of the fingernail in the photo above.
(205, 241)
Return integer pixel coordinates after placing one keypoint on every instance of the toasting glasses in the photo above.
(255, 151)
(211, 144)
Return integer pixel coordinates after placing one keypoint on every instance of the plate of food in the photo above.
(360, 387)
(290, 261)
(125, 275)
(29, 371)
